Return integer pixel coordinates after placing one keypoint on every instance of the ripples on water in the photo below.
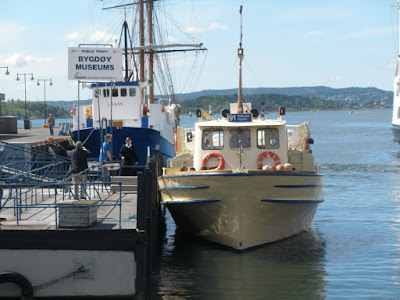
(351, 252)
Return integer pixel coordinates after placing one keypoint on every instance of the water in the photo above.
(352, 250)
(37, 123)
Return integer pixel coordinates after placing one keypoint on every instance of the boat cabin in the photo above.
(243, 142)
(229, 139)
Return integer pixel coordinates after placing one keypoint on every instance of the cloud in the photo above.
(10, 30)
(101, 36)
(172, 39)
(211, 27)
(20, 60)
(193, 29)
(216, 26)
(335, 78)
(73, 36)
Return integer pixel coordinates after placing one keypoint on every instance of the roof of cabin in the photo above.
(254, 123)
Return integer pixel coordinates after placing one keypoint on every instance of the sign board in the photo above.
(97, 64)
(2, 96)
(239, 118)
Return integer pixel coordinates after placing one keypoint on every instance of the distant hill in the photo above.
(347, 96)
(67, 105)
(344, 95)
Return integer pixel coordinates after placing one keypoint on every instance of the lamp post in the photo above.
(44, 94)
(7, 73)
(26, 122)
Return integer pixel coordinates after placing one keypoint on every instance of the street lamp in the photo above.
(7, 73)
(26, 122)
(44, 95)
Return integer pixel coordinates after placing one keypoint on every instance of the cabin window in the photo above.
(267, 138)
(106, 93)
(132, 92)
(239, 135)
(123, 92)
(213, 139)
(398, 113)
(115, 92)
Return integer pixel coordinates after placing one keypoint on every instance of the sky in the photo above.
(341, 43)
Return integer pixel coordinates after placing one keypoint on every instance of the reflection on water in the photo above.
(193, 268)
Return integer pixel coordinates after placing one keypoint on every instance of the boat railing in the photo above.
(184, 140)
(297, 135)
(27, 203)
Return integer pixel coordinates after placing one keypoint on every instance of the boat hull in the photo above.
(142, 138)
(242, 210)
(396, 132)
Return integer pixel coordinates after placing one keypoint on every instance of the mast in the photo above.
(141, 29)
(126, 46)
(240, 56)
(151, 54)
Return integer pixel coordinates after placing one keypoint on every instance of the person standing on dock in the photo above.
(51, 122)
(105, 153)
(78, 168)
(128, 157)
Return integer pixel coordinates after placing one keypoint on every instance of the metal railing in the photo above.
(297, 135)
(31, 199)
(32, 182)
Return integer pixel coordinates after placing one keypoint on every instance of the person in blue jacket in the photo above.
(105, 153)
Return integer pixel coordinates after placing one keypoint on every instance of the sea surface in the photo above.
(352, 250)
(37, 123)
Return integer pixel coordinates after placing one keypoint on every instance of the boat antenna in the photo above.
(240, 56)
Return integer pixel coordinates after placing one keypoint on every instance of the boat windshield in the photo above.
(213, 139)
(239, 135)
(267, 138)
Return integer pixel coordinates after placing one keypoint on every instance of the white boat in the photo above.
(254, 181)
(396, 95)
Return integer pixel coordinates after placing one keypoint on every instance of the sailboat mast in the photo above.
(240, 56)
(151, 54)
(126, 45)
(141, 29)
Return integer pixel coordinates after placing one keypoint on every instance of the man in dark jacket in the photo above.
(79, 168)
(128, 157)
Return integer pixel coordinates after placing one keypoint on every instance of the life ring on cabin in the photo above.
(269, 154)
(221, 159)
(20, 280)
(72, 111)
(176, 141)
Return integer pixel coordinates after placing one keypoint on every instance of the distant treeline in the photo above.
(35, 109)
(268, 102)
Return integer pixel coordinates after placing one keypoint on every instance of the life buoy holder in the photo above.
(207, 157)
(269, 154)
(72, 111)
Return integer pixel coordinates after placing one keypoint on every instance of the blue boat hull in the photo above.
(142, 138)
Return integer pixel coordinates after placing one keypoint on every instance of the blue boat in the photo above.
(128, 108)
(118, 110)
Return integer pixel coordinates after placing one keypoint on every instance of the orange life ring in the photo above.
(221, 159)
(72, 111)
(269, 154)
